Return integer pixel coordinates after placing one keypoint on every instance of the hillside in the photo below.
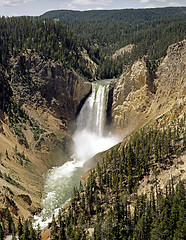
(124, 15)
(46, 70)
(50, 40)
(151, 31)
(133, 191)
(141, 95)
(40, 96)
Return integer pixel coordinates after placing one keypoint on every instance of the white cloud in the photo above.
(144, 1)
(85, 4)
(175, 4)
(153, 1)
(159, 3)
(91, 2)
(13, 2)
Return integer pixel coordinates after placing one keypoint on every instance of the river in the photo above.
(90, 138)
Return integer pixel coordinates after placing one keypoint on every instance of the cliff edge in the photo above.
(141, 95)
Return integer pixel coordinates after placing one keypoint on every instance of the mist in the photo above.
(89, 139)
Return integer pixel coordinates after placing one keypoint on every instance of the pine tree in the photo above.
(26, 232)
(20, 229)
(1, 233)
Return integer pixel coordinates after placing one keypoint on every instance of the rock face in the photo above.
(88, 63)
(50, 95)
(47, 84)
(171, 82)
(122, 51)
(140, 96)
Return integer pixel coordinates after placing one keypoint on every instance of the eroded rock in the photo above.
(48, 85)
(140, 95)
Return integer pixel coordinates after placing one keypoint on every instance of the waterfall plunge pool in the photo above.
(90, 138)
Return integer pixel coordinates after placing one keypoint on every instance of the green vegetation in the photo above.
(39, 142)
(103, 32)
(17, 130)
(106, 201)
(13, 182)
(129, 16)
(24, 231)
(151, 31)
(6, 224)
(36, 129)
(18, 119)
(9, 190)
(160, 218)
(52, 40)
(22, 159)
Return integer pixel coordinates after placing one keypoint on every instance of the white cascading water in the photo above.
(93, 114)
(89, 140)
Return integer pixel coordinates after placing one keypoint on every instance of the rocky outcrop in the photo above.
(25, 198)
(140, 96)
(47, 85)
(47, 96)
(132, 95)
(171, 83)
(88, 63)
(122, 51)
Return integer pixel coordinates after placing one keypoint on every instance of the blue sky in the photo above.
(37, 7)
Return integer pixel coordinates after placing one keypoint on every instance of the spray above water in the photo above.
(89, 139)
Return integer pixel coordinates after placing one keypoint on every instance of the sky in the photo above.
(38, 7)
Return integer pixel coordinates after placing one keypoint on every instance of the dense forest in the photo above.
(63, 35)
(51, 40)
(150, 31)
(108, 202)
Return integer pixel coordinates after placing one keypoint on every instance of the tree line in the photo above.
(50, 39)
(151, 31)
(106, 201)
(101, 33)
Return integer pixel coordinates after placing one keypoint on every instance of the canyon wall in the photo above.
(48, 85)
(39, 99)
(141, 94)
(51, 95)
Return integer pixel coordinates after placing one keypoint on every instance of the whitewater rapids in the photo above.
(90, 138)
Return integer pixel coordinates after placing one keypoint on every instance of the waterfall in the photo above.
(90, 136)
(93, 114)
(89, 139)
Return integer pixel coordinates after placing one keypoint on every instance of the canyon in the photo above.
(52, 97)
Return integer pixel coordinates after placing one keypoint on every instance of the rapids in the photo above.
(89, 138)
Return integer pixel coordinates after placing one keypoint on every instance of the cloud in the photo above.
(153, 1)
(92, 2)
(175, 4)
(13, 2)
(159, 3)
(86, 4)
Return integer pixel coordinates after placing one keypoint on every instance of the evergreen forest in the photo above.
(107, 205)
(63, 35)
(51, 40)
(150, 31)
(108, 201)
